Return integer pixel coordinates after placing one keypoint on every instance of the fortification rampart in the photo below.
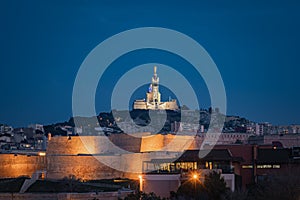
(15, 165)
(95, 157)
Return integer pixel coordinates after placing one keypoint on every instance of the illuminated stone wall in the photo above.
(92, 144)
(20, 165)
(100, 144)
(93, 157)
(152, 143)
(96, 160)
(83, 167)
(99, 166)
(167, 142)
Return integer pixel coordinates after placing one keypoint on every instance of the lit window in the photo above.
(206, 165)
(264, 166)
(247, 166)
(210, 165)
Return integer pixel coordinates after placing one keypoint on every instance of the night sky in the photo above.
(254, 45)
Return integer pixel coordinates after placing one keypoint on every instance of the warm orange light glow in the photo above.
(195, 176)
(42, 153)
(141, 182)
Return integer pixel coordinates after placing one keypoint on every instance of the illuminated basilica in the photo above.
(153, 101)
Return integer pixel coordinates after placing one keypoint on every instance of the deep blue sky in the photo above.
(43, 43)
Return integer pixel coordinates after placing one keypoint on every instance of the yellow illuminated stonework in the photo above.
(153, 98)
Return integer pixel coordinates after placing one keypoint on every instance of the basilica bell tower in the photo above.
(153, 98)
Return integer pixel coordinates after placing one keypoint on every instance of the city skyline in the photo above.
(253, 45)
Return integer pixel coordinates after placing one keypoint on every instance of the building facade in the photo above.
(153, 98)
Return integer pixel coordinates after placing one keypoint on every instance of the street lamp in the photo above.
(141, 182)
(195, 176)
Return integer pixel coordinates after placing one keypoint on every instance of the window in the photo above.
(264, 166)
(247, 166)
(268, 166)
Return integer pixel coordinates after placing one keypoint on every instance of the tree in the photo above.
(281, 186)
(213, 188)
(192, 189)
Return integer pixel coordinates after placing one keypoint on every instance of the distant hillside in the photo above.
(142, 118)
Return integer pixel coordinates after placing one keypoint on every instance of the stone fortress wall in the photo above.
(92, 144)
(79, 156)
(15, 165)
(87, 157)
